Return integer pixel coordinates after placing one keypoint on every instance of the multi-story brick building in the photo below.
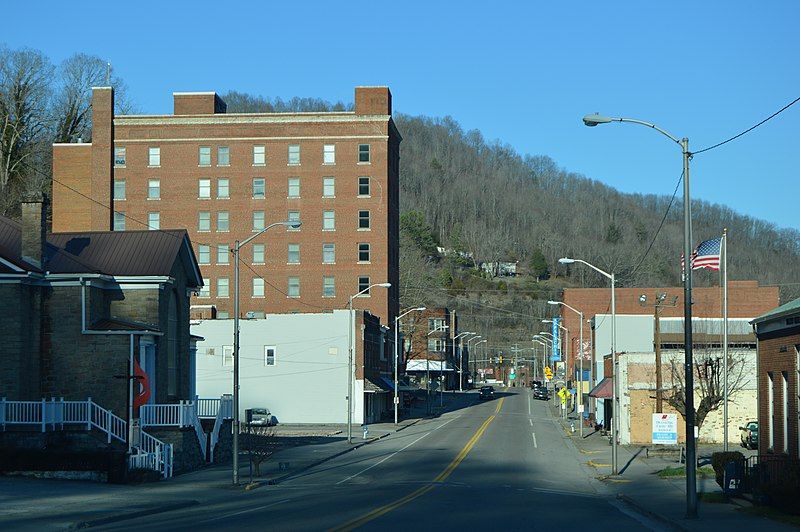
(428, 350)
(224, 177)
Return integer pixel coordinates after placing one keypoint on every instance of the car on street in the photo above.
(485, 393)
(749, 435)
(541, 393)
(258, 416)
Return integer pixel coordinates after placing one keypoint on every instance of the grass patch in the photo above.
(713, 498)
(680, 471)
(772, 513)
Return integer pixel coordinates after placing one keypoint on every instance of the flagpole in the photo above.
(725, 333)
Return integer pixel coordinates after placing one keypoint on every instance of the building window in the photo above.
(258, 253)
(154, 157)
(119, 189)
(329, 154)
(363, 186)
(119, 157)
(294, 287)
(223, 225)
(223, 188)
(154, 221)
(204, 221)
(119, 221)
(222, 287)
(293, 216)
(294, 254)
(204, 156)
(258, 220)
(328, 187)
(204, 254)
(269, 355)
(204, 189)
(363, 252)
(329, 253)
(363, 219)
(328, 221)
(363, 153)
(294, 187)
(223, 156)
(785, 396)
(205, 290)
(259, 188)
(223, 315)
(435, 324)
(771, 412)
(227, 355)
(223, 254)
(153, 189)
(259, 155)
(294, 154)
(258, 287)
(328, 286)
(363, 284)
(436, 344)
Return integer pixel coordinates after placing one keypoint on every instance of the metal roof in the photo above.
(792, 307)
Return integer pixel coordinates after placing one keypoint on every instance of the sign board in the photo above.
(486, 371)
(580, 409)
(665, 429)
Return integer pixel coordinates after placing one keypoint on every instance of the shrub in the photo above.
(718, 461)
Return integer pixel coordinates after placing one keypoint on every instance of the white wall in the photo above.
(307, 384)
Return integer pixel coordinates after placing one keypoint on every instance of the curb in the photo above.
(133, 515)
(404, 427)
(670, 524)
(281, 478)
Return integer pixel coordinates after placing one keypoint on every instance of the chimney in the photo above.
(34, 231)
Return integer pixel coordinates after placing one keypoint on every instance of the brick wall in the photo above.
(21, 326)
(777, 356)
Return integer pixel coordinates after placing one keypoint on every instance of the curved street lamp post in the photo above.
(396, 357)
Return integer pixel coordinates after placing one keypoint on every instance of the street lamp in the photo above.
(475, 337)
(428, 370)
(580, 350)
(691, 473)
(350, 369)
(396, 358)
(460, 359)
(294, 224)
(614, 372)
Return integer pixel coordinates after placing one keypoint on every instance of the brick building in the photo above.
(224, 177)
(778, 333)
(745, 300)
(428, 346)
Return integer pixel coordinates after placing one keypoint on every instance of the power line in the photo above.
(748, 130)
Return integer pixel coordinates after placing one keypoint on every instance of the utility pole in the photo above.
(657, 305)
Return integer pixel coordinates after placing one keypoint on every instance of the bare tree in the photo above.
(260, 442)
(708, 382)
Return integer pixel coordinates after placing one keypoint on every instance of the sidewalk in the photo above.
(37, 504)
(638, 486)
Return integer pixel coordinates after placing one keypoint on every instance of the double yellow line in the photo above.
(383, 510)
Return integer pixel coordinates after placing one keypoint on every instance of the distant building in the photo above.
(778, 333)
(500, 268)
(225, 176)
(428, 348)
(296, 365)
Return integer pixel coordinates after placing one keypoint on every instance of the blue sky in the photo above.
(522, 73)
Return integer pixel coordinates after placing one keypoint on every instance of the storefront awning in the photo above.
(375, 386)
(604, 390)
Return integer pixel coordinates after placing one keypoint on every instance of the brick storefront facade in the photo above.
(222, 176)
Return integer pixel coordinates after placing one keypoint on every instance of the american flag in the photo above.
(706, 255)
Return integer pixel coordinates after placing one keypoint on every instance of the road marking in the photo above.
(246, 511)
(374, 514)
(529, 405)
(531, 422)
(534, 440)
(396, 452)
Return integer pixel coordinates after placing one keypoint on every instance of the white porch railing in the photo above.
(183, 414)
(224, 411)
(152, 454)
(210, 408)
(56, 413)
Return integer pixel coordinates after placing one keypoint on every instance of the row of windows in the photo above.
(258, 221)
(259, 155)
(292, 287)
(270, 354)
(223, 253)
(259, 188)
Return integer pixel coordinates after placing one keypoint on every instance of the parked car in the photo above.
(258, 416)
(749, 435)
(541, 393)
(486, 392)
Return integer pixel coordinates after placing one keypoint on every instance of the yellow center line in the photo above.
(383, 510)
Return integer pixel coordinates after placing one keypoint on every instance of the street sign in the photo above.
(665, 429)
(548, 373)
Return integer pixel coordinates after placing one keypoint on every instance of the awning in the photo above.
(388, 382)
(604, 390)
(375, 386)
(426, 365)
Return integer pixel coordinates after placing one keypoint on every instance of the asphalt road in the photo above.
(500, 464)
